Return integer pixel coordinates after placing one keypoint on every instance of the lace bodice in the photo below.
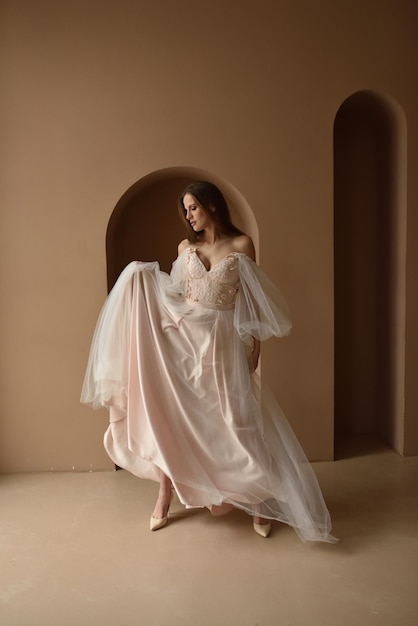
(214, 288)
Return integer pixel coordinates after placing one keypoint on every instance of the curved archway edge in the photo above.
(134, 230)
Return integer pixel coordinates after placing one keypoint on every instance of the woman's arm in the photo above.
(246, 245)
(182, 246)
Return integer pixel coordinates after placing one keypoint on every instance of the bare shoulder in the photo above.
(244, 243)
(183, 245)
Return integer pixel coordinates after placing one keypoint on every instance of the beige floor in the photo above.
(76, 551)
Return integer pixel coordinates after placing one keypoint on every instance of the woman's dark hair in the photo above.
(210, 198)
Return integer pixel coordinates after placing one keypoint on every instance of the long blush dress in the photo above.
(170, 358)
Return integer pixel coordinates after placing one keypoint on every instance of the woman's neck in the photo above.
(210, 237)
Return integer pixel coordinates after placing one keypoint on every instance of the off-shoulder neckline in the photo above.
(232, 253)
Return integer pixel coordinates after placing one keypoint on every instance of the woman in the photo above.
(174, 358)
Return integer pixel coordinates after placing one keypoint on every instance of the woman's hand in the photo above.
(255, 354)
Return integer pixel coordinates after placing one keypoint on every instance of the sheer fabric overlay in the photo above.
(170, 359)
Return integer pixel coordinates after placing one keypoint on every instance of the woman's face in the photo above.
(195, 214)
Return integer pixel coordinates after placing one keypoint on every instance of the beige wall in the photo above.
(97, 95)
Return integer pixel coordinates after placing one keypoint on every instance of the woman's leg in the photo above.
(260, 520)
(164, 497)
(261, 525)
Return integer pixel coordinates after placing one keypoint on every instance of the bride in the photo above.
(174, 359)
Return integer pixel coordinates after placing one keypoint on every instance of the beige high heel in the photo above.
(156, 523)
(262, 529)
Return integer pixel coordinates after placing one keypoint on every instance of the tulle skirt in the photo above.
(182, 399)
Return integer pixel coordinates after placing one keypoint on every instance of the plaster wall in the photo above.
(99, 94)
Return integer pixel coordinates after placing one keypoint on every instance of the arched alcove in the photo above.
(370, 249)
(145, 224)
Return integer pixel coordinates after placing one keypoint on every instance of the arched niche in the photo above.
(370, 253)
(145, 225)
